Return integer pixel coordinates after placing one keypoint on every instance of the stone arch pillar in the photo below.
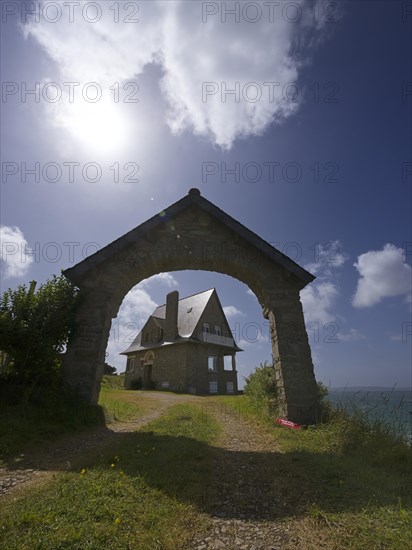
(85, 356)
(292, 359)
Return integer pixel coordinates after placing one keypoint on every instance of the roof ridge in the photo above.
(191, 295)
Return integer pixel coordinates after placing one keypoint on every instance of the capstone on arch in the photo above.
(194, 234)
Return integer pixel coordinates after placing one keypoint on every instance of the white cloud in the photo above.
(133, 313)
(14, 260)
(327, 256)
(165, 278)
(136, 307)
(190, 52)
(318, 299)
(232, 311)
(383, 274)
(353, 335)
(255, 340)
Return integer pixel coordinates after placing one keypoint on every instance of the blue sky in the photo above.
(311, 151)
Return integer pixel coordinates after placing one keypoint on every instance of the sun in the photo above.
(102, 127)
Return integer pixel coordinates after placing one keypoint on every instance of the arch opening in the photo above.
(242, 312)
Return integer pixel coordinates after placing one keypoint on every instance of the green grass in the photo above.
(144, 494)
(120, 405)
(115, 382)
(338, 485)
(26, 424)
(353, 477)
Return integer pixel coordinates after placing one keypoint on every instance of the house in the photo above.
(185, 345)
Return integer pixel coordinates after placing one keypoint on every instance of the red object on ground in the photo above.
(287, 423)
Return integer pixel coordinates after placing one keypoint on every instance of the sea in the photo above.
(391, 406)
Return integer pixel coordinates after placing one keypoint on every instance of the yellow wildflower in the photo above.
(117, 521)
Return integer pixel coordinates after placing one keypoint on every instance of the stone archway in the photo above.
(194, 234)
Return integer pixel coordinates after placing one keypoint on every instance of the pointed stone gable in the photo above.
(169, 217)
(194, 234)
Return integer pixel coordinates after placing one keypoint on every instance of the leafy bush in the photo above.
(34, 329)
(261, 384)
(261, 391)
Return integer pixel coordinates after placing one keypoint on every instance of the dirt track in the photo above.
(241, 501)
(41, 463)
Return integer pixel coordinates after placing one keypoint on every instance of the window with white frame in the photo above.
(212, 363)
(206, 327)
(130, 364)
(227, 362)
(218, 330)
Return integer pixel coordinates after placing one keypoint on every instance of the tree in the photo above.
(108, 369)
(35, 326)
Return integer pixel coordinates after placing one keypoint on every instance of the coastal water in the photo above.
(393, 407)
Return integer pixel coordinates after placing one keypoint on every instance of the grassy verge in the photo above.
(353, 479)
(119, 405)
(145, 494)
(25, 425)
(114, 382)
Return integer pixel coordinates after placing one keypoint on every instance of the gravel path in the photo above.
(242, 501)
(69, 451)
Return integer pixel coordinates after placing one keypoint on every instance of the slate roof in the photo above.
(187, 320)
(189, 312)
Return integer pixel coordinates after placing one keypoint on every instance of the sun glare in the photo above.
(102, 126)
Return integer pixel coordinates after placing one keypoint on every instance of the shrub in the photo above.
(261, 391)
(108, 369)
(34, 329)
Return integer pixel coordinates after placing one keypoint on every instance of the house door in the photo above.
(147, 376)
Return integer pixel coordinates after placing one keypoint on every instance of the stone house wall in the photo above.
(184, 367)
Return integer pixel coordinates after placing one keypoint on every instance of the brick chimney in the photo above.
(172, 306)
